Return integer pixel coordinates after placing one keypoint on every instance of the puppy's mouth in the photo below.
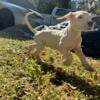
(90, 25)
(90, 28)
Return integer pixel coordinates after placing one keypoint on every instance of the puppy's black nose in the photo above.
(90, 23)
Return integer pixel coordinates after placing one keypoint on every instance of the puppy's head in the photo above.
(80, 20)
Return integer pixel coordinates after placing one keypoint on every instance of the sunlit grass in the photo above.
(22, 78)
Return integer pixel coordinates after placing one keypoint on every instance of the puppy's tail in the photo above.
(27, 21)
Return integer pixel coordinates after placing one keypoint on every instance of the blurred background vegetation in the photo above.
(46, 6)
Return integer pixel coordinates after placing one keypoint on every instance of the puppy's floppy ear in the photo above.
(67, 16)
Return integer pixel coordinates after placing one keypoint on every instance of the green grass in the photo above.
(22, 78)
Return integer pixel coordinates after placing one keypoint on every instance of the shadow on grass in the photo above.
(74, 80)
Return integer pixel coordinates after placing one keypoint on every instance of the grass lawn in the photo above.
(22, 78)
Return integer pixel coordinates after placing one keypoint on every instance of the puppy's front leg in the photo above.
(82, 58)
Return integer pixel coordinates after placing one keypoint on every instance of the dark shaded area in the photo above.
(16, 32)
(91, 43)
(6, 18)
(96, 20)
(60, 75)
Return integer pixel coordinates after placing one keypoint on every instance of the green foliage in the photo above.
(98, 11)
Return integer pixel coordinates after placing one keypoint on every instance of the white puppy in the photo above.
(63, 40)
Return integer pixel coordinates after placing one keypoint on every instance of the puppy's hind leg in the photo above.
(67, 55)
(35, 50)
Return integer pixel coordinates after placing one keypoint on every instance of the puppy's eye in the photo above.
(79, 17)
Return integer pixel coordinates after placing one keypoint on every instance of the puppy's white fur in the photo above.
(65, 39)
